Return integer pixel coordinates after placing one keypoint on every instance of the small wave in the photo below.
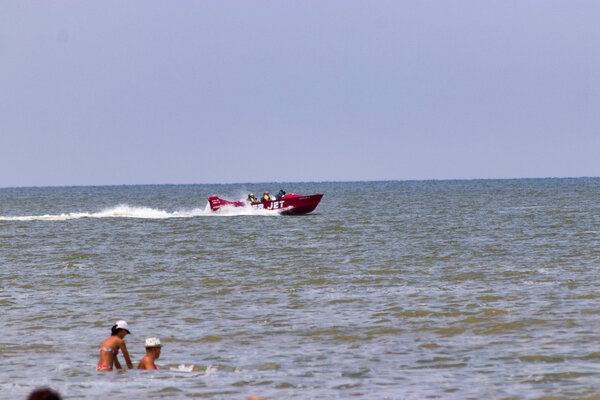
(126, 211)
(183, 368)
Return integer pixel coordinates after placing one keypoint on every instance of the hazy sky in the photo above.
(134, 92)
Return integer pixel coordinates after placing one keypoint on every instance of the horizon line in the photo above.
(298, 182)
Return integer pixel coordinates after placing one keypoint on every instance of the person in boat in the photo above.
(110, 348)
(153, 348)
(266, 197)
(280, 194)
(251, 198)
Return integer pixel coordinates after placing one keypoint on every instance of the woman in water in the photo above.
(110, 348)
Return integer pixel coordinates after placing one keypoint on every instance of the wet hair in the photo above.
(115, 330)
(44, 394)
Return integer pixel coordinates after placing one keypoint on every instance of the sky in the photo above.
(183, 92)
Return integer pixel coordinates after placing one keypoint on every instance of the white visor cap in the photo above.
(153, 342)
(123, 325)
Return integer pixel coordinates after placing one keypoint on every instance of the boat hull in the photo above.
(291, 204)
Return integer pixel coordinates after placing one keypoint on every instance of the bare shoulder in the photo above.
(109, 341)
(144, 363)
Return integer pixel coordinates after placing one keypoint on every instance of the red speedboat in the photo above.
(290, 204)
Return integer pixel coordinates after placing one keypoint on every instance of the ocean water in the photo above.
(388, 290)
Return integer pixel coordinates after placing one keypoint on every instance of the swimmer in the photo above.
(44, 394)
(110, 348)
(153, 347)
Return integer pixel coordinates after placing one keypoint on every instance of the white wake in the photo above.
(126, 211)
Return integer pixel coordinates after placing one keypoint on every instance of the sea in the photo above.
(457, 289)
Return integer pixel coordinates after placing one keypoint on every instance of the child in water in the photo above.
(153, 347)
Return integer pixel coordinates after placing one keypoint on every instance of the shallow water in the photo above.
(389, 290)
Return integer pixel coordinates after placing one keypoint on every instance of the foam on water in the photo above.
(183, 368)
(126, 211)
